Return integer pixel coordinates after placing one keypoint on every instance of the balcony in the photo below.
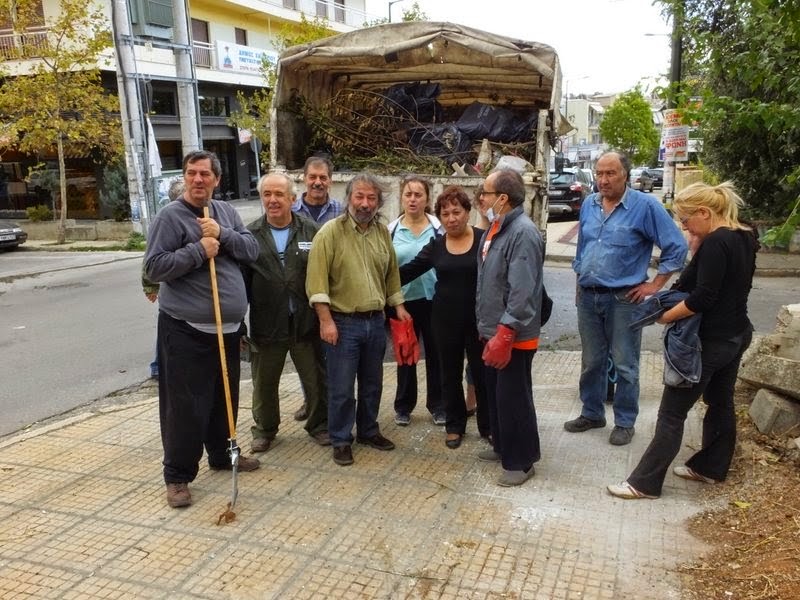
(20, 46)
(335, 12)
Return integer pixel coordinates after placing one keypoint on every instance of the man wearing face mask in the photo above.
(316, 204)
(352, 274)
(508, 312)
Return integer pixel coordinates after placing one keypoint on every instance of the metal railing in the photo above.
(334, 11)
(203, 54)
(22, 45)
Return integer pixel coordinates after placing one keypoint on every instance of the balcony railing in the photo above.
(332, 10)
(203, 54)
(19, 46)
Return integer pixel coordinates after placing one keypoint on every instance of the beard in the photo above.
(363, 215)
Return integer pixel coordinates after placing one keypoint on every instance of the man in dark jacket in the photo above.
(281, 319)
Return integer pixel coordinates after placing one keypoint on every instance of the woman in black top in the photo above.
(454, 256)
(718, 280)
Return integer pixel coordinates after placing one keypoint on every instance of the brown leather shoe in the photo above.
(343, 455)
(260, 445)
(301, 414)
(322, 438)
(376, 441)
(245, 464)
(178, 495)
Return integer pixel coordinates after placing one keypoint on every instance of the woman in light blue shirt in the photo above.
(411, 231)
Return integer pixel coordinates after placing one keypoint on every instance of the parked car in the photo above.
(567, 190)
(11, 235)
(641, 180)
(658, 176)
(590, 174)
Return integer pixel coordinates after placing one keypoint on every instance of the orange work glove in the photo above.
(497, 351)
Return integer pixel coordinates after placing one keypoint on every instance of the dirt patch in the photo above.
(756, 535)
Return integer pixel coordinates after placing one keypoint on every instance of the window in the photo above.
(322, 9)
(241, 36)
(338, 11)
(290, 4)
(214, 106)
(163, 103)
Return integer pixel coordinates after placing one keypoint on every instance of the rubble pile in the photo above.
(773, 366)
(404, 128)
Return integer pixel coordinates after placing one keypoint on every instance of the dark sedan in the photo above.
(566, 192)
(658, 177)
(11, 235)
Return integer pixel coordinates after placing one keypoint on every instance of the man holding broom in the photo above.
(192, 398)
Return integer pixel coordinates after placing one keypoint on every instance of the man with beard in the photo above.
(316, 204)
(352, 275)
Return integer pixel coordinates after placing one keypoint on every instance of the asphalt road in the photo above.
(78, 331)
(75, 327)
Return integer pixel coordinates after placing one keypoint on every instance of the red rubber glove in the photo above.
(497, 351)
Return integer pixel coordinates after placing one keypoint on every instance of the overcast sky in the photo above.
(601, 43)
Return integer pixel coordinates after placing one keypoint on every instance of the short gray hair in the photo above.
(290, 187)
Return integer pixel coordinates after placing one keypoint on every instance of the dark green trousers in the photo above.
(267, 361)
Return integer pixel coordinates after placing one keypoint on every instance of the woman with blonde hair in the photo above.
(717, 282)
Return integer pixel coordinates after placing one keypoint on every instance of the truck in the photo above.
(458, 100)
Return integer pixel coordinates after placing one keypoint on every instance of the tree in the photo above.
(628, 126)
(59, 102)
(741, 60)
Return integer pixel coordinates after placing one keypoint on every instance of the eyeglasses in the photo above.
(485, 193)
(685, 219)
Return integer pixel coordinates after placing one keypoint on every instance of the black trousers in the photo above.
(515, 431)
(454, 338)
(720, 359)
(191, 397)
(405, 399)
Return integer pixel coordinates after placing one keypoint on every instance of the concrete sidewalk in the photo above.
(83, 511)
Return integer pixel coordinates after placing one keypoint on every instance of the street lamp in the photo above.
(390, 8)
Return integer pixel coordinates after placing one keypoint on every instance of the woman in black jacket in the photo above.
(718, 280)
(454, 256)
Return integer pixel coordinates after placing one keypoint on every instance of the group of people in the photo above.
(320, 278)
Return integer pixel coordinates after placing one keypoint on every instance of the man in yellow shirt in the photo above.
(352, 275)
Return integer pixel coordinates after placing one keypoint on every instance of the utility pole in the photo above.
(675, 76)
(131, 113)
(188, 105)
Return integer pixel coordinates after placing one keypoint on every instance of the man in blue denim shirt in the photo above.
(619, 227)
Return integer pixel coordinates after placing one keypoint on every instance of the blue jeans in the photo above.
(357, 355)
(603, 324)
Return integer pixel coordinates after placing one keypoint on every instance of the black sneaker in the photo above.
(343, 455)
(583, 424)
(376, 441)
(620, 436)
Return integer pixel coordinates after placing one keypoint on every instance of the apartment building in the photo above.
(228, 40)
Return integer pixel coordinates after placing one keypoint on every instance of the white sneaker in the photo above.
(685, 472)
(627, 491)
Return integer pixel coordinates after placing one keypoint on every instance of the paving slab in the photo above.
(83, 512)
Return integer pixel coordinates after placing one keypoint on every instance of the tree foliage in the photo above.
(56, 100)
(741, 59)
(628, 126)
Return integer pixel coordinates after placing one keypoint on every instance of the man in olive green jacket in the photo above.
(281, 319)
